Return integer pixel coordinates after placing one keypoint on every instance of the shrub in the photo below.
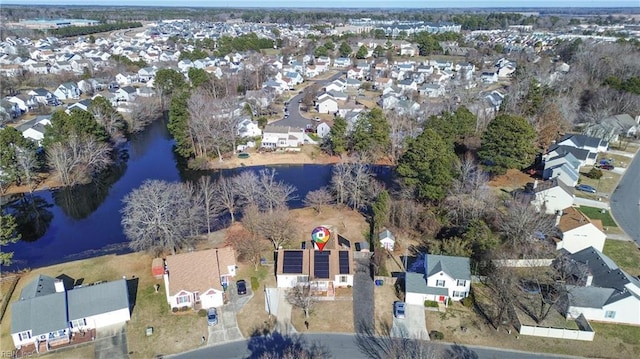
(255, 283)
(467, 302)
(184, 309)
(449, 302)
(436, 335)
(431, 304)
(595, 173)
(202, 313)
(174, 309)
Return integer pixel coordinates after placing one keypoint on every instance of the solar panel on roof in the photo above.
(292, 262)
(321, 264)
(344, 262)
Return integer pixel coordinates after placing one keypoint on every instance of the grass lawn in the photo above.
(606, 184)
(625, 254)
(595, 213)
(253, 317)
(384, 296)
(326, 317)
(618, 160)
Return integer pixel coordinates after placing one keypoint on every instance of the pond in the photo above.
(81, 222)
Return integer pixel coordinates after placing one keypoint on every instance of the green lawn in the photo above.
(625, 254)
(626, 333)
(595, 213)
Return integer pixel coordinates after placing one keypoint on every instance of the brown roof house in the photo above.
(325, 270)
(198, 279)
(578, 232)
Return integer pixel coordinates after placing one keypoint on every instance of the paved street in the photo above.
(342, 346)
(625, 201)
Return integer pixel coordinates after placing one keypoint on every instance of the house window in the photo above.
(183, 299)
(78, 323)
(457, 294)
(24, 335)
(462, 283)
(439, 283)
(610, 314)
(343, 279)
(301, 279)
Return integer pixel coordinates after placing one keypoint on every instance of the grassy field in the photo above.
(625, 254)
(606, 184)
(595, 213)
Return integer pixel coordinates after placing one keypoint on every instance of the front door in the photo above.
(441, 300)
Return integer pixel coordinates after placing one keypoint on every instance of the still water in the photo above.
(68, 224)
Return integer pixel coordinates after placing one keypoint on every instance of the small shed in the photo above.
(387, 239)
(157, 268)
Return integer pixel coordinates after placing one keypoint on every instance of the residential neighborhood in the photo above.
(211, 182)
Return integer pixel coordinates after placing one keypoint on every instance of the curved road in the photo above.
(342, 346)
(625, 200)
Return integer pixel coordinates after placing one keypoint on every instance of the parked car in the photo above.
(607, 167)
(242, 287)
(212, 316)
(586, 188)
(399, 310)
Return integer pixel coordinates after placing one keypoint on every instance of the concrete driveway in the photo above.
(227, 328)
(111, 343)
(413, 326)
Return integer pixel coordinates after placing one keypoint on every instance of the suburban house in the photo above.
(431, 90)
(592, 144)
(34, 129)
(248, 128)
(578, 232)
(387, 239)
(605, 292)
(282, 136)
(489, 77)
(437, 278)
(198, 279)
(324, 270)
(552, 196)
(327, 105)
(562, 170)
(611, 128)
(48, 314)
(43, 96)
(323, 129)
(67, 90)
(584, 156)
(126, 94)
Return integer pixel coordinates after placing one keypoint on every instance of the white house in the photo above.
(584, 156)
(197, 279)
(34, 129)
(49, 314)
(387, 239)
(127, 93)
(438, 278)
(327, 105)
(584, 142)
(248, 128)
(325, 270)
(123, 80)
(605, 292)
(282, 136)
(578, 232)
(432, 90)
(67, 90)
(552, 196)
(563, 171)
(323, 129)
(611, 128)
(489, 77)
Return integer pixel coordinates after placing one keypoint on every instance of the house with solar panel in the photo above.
(325, 270)
(437, 278)
(48, 315)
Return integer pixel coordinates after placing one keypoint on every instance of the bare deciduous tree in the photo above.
(145, 111)
(248, 247)
(226, 193)
(159, 216)
(278, 226)
(76, 160)
(353, 184)
(301, 296)
(207, 191)
(318, 198)
(263, 190)
(27, 163)
(522, 223)
(469, 196)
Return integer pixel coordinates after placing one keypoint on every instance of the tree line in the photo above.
(70, 31)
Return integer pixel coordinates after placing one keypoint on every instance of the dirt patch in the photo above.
(384, 297)
(511, 180)
(349, 223)
(308, 154)
(326, 317)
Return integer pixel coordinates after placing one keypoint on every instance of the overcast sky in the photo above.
(348, 3)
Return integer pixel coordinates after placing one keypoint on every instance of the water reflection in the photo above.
(32, 214)
(79, 202)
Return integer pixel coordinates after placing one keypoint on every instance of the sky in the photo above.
(345, 4)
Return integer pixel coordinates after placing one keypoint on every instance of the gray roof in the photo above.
(605, 272)
(96, 299)
(416, 283)
(41, 315)
(583, 140)
(42, 310)
(578, 153)
(589, 297)
(386, 234)
(455, 267)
